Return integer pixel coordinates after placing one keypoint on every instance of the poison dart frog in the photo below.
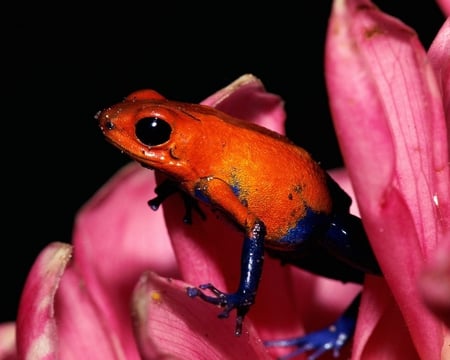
(299, 216)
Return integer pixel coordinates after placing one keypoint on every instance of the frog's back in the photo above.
(278, 181)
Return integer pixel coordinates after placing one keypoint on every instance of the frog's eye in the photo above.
(153, 131)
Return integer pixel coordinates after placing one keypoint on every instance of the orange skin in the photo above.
(273, 190)
(224, 155)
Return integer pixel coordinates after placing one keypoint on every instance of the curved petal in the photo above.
(36, 327)
(434, 283)
(434, 286)
(445, 6)
(168, 323)
(380, 321)
(246, 98)
(117, 237)
(8, 341)
(82, 331)
(439, 55)
(399, 172)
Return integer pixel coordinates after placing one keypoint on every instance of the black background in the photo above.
(64, 63)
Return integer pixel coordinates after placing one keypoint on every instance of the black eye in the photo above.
(153, 131)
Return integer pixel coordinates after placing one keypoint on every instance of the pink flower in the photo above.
(114, 292)
(118, 292)
(109, 295)
(390, 103)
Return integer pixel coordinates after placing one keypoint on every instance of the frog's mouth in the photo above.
(147, 166)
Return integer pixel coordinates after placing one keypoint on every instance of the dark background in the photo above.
(63, 64)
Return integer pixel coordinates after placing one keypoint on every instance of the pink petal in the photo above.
(168, 323)
(82, 331)
(445, 6)
(36, 328)
(439, 55)
(246, 98)
(434, 283)
(117, 237)
(400, 171)
(8, 341)
(379, 322)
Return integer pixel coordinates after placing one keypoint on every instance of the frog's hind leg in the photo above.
(331, 338)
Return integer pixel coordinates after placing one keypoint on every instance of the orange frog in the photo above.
(298, 215)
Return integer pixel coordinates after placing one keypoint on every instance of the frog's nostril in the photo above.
(109, 125)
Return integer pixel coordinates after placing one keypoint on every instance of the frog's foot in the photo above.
(332, 338)
(319, 342)
(238, 301)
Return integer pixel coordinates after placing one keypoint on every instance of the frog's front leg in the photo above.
(252, 256)
(169, 187)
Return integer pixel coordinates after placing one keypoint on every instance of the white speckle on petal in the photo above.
(45, 303)
(436, 200)
(42, 346)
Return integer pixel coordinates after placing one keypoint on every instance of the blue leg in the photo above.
(168, 188)
(332, 338)
(251, 269)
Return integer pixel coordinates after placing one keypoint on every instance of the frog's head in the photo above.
(158, 133)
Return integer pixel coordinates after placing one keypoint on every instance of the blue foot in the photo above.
(240, 302)
(332, 338)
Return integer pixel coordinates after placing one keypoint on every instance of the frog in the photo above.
(284, 203)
